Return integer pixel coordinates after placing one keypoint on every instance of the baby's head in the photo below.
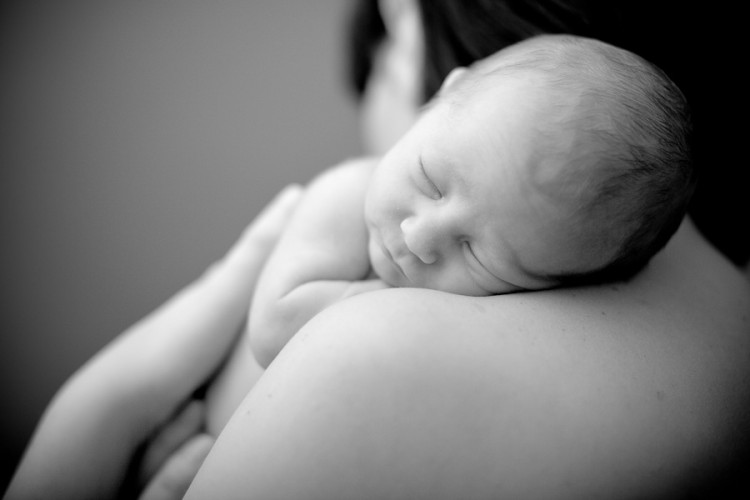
(556, 161)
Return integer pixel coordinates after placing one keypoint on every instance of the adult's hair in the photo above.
(680, 38)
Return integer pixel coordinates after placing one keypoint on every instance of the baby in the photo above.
(557, 161)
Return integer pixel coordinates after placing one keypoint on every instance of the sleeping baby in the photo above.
(557, 161)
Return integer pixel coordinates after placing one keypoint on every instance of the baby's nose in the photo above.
(421, 238)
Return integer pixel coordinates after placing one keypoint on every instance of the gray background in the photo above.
(137, 140)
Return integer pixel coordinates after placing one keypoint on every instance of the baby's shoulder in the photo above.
(349, 177)
(351, 169)
(343, 185)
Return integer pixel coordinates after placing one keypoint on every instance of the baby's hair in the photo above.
(629, 166)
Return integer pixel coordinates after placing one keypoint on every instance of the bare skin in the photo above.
(631, 390)
(616, 391)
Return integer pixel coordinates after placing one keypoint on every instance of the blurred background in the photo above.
(137, 139)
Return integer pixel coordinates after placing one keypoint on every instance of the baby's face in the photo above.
(451, 210)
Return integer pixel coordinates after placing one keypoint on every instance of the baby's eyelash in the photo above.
(431, 189)
(471, 256)
(470, 252)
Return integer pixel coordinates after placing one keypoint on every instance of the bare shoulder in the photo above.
(332, 203)
(336, 192)
(582, 383)
(618, 391)
(355, 171)
(685, 317)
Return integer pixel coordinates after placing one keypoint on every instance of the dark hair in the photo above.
(366, 30)
(457, 33)
(679, 37)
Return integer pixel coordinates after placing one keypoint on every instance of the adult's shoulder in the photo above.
(626, 387)
(631, 390)
(688, 291)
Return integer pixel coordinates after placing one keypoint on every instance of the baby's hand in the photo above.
(358, 287)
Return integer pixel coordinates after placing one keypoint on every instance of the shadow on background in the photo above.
(137, 140)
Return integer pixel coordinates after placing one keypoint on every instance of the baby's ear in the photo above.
(452, 78)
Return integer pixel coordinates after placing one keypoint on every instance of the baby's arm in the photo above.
(321, 259)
